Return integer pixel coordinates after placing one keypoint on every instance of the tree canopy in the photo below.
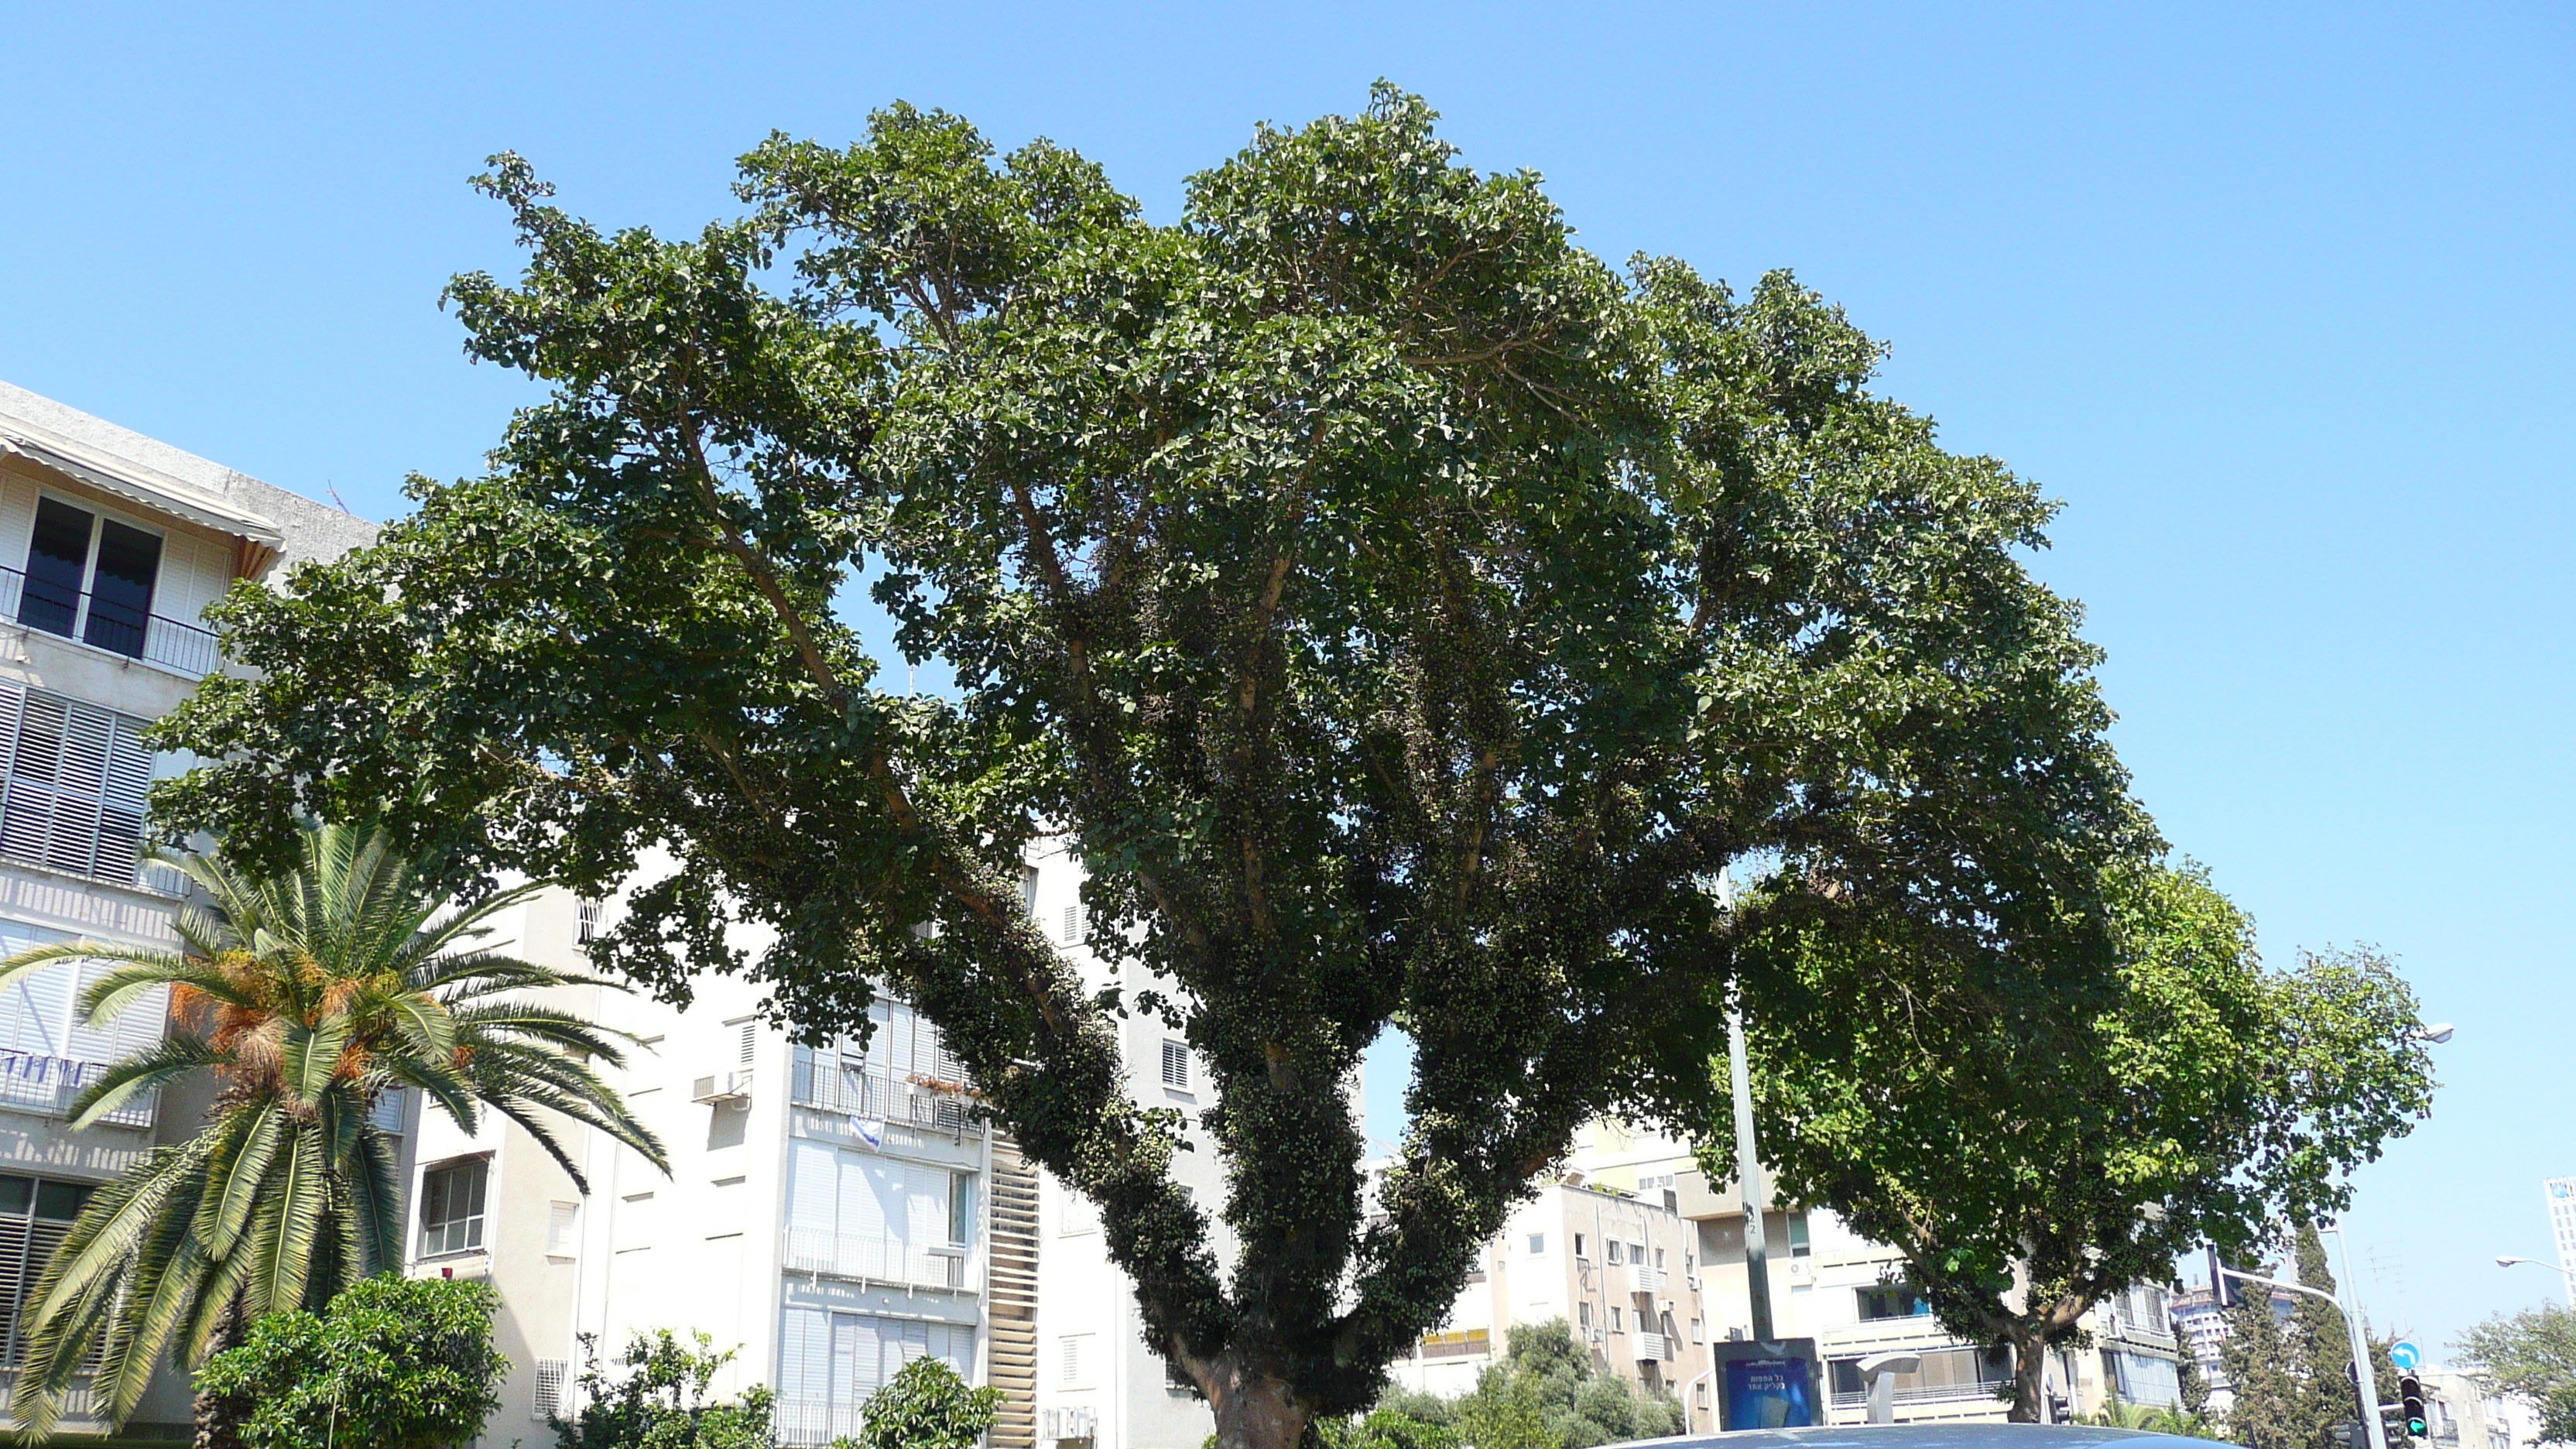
(2031, 1158)
(1400, 613)
(2533, 1354)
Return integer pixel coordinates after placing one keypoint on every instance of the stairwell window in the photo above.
(550, 1387)
(961, 1208)
(1176, 1065)
(1073, 1361)
(451, 1207)
(1538, 1245)
(586, 927)
(1073, 924)
(1799, 1247)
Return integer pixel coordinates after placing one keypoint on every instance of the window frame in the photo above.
(474, 1225)
(85, 593)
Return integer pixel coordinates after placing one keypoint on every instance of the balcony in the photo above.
(189, 650)
(31, 1082)
(830, 1083)
(875, 1258)
(1653, 1348)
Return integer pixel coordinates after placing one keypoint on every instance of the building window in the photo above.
(49, 1051)
(78, 775)
(1890, 1300)
(550, 1386)
(1073, 924)
(1616, 1321)
(1699, 1331)
(34, 1218)
(451, 1208)
(120, 575)
(1659, 1260)
(1538, 1245)
(961, 1208)
(563, 1229)
(1029, 890)
(1578, 1245)
(831, 1362)
(586, 926)
(1798, 1244)
(1637, 1253)
(860, 1215)
(1583, 1314)
(1073, 1361)
(1176, 1065)
(1612, 1248)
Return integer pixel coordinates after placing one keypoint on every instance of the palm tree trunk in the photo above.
(220, 1416)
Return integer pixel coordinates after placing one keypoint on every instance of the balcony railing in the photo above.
(49, 1084)
(173, 644)
(1922, 1394)
(878, 1259)
(835, 1084)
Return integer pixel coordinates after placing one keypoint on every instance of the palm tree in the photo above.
(306, 995)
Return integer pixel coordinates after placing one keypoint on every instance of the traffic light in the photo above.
(2410, 1407)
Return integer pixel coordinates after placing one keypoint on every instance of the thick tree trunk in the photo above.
(2030, 1373)
(1253, 1410)
(220, 1416)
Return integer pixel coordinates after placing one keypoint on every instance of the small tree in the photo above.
(392, 1363)
(1547, 1372)
(927, 1406)
(2033, 1151)
(2533, 1354)
(661, 1400)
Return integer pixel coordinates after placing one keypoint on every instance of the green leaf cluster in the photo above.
(927, 1406)
(1400, 614)
(304, 994)
(657, 1396)
(2531, 1354)
(1546, 1393)
(390, 1363)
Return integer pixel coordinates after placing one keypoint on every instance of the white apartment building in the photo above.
(831, 1212)
(1848, 1293)
(110, 546)
(2560, 1194)
(1621, 1268)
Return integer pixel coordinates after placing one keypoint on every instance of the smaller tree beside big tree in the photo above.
(2030, 1156)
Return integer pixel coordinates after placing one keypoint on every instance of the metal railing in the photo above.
(173, 644)
(878, 1259)
(832, 1083)
(1922, 1393)
(49, 1084)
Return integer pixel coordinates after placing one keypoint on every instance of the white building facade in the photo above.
(111, 545)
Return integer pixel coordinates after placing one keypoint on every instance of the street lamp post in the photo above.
(2568, 1278)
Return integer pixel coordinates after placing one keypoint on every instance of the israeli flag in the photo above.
(870, 1130)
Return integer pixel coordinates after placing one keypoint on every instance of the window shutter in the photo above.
(1176, 1064)
(1072, 924)
(550, 1384)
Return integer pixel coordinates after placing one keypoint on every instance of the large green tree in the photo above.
(2032, 1156)
(304, 994)
(1397, 611)
(2533, 1354)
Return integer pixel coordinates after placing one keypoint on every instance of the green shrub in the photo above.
(927, 1406)
(391, 1363)
(660, 1400)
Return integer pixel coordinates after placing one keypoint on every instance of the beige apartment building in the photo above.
(111, 545)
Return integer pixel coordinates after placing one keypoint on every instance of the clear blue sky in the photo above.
(2279, 306)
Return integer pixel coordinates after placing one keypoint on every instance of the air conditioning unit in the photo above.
(1069, 1423)
(1592, 1335)
(724, 1087)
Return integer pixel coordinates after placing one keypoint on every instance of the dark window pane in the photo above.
(16, 1193)
(60, 1201)
(57, 556)
(120, 591)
